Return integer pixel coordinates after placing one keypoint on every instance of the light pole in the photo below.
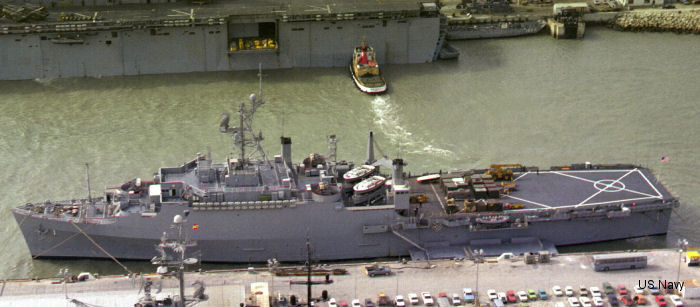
(682, 247)
(477, 258)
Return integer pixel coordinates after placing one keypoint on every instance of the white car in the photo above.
(522, 296)
(675, 300)
(598, 301)
(356, 303)
(585, 301)
(456, 300)
(569, 290)
(573, 302)
(583, 291)
(468, 295)
(557, 291)
(559, 304)
(502, 296)
(492, 294)
(595, 292)
(332, 303)
(413, 299)
(398, 299)
(427, 299)
(638, 290)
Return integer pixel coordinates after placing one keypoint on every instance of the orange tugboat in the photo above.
(365, 70)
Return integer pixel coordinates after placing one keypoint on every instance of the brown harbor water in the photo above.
(611, 97)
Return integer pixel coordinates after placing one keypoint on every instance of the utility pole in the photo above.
(308, 272)
(682, 247)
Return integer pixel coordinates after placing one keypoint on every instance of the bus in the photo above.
(619, 261)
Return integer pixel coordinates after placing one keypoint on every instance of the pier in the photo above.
(230, 288)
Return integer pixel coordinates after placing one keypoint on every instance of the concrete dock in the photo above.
(229, 288)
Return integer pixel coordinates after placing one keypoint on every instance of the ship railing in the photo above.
(244, 205)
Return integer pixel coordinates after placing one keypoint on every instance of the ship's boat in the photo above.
(365, 70)
(369, 184)
(358, 173)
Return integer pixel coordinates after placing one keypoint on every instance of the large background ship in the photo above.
(114, 38)
(255, 209)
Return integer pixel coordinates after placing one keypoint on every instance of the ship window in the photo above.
(383, 23)
(153, 31)
(108, 42)
(191, 33)
(114, 34)
(340, 28)
(326, 28)
(43, 38)
(297, 29)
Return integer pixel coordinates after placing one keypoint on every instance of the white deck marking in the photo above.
(625, 189)
(612, 184)
(523, 175)
(618, 201)
(652, 186)
(528, 201)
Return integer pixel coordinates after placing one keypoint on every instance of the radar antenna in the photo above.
(243, 135)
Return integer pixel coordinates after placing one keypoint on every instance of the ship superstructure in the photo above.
(249, 209)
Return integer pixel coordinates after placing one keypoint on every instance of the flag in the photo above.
(664, 159)
(195, 226)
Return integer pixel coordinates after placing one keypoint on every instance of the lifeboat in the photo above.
(358, 173)
(369, 184)
(492, 219)
(365, 70)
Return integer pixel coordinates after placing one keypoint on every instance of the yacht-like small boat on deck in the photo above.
(365, 70)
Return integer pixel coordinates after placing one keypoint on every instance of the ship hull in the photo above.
(494, 30)
(336, 234)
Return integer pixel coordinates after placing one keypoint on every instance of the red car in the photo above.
(627, 300)
(510, 295)
(622, 290)
(660, 300)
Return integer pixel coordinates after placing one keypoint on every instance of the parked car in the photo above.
(399, 301)
(622, 290)
(638, 290)
(541, 294)
(608, 289)
(556, 290)
(376, 270)
(598, 301)
(356, 303)
(639, 299)
(675, 300)
(595, 292)
(522, 296)
(612, 299)
(583, 291)
(668, 6)
(627, 300)
(510, 296)
(660, 300)
(654, 291)
(413, 299)
(484, 303)
(456, 300)
(502, 297)
(468, 295)
(492, 294)
(368, 303)
(569, 290)
(531, 295)
(573, 302)
(332, 303)
(427, 299)
(585, 301)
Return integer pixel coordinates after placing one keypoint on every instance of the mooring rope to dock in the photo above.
(59, 244)
(102, 249)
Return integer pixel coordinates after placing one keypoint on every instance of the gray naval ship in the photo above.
(44, 39)
(249, 209)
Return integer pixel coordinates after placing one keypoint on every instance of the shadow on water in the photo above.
(301, 75)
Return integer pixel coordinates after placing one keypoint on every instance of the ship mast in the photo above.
(246, 126)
